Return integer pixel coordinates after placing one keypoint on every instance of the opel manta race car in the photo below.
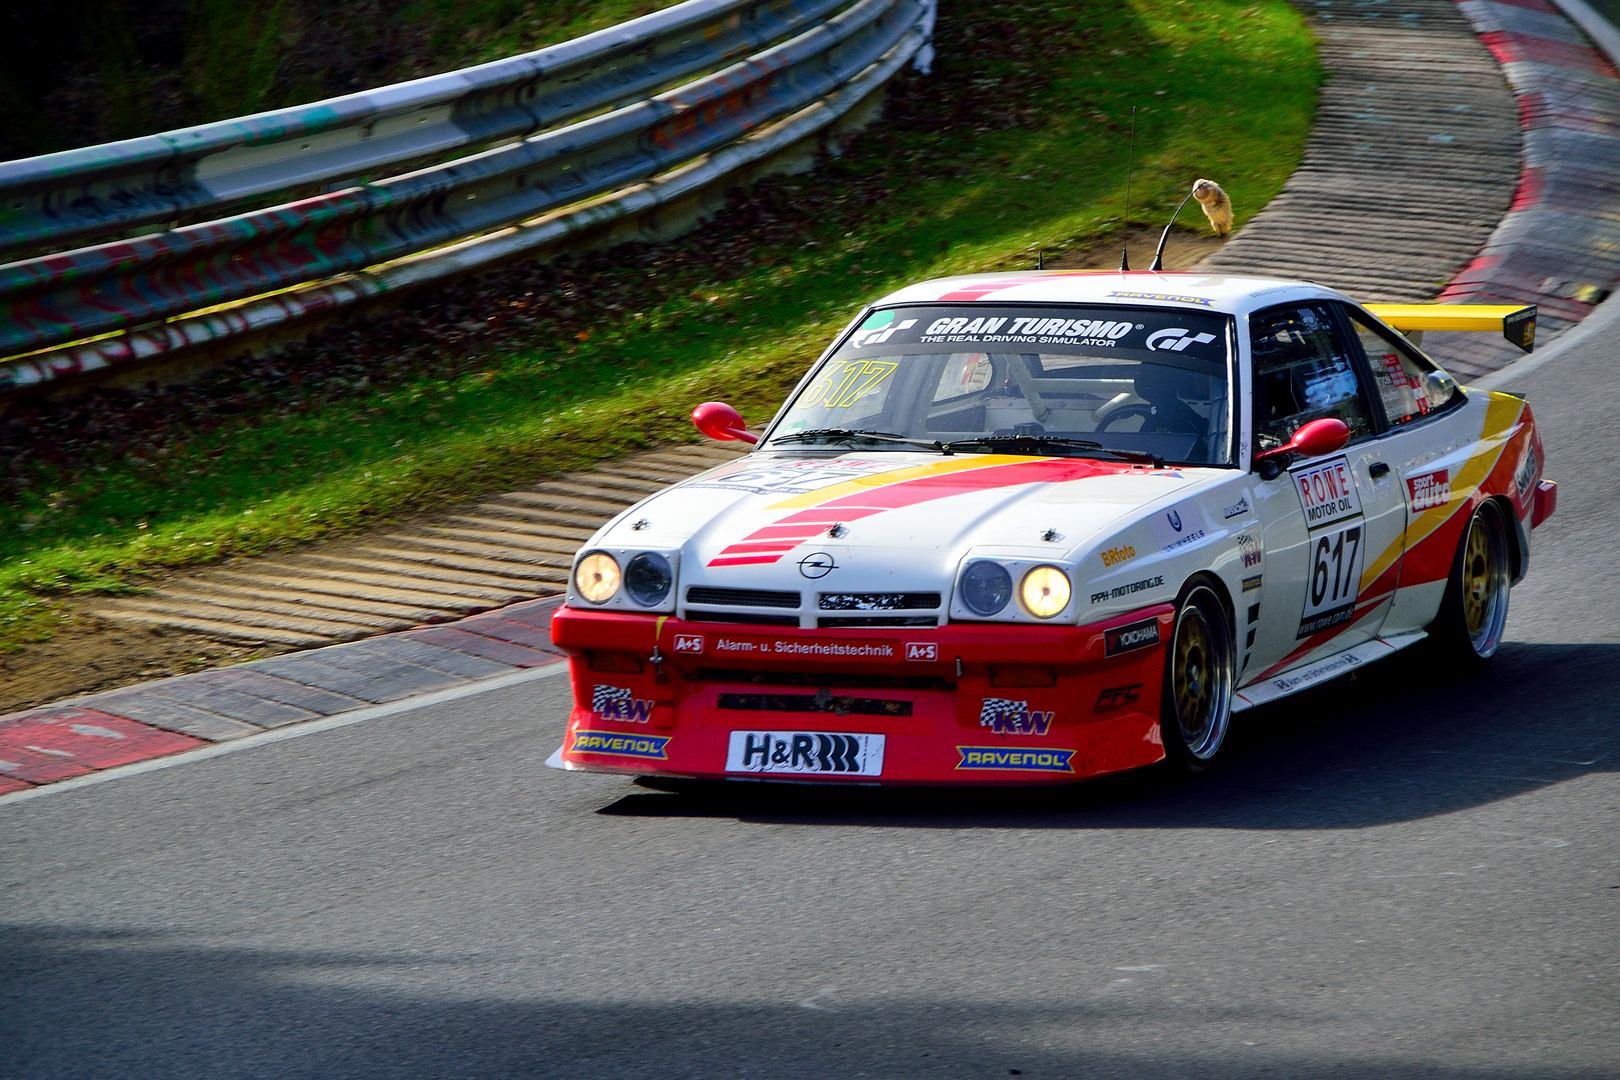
(1035, 527)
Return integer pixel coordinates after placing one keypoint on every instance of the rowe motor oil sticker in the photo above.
(1336, 555)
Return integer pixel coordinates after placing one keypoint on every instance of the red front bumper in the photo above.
(956, 704)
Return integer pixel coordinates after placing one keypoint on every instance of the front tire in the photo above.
(1473, 615)
(1200, 672)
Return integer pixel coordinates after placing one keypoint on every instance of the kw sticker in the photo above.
(616, 703)
(1005, 717)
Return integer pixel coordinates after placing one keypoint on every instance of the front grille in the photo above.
(852, 680)
(891, 601)
(746, 617)
(815, 703)
(877, 620)
(705, 594)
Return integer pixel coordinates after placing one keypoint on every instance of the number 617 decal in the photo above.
(1334, 569)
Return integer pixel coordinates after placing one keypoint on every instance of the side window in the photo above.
(1302, 372)
(1409, 385)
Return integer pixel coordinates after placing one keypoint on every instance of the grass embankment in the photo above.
(1017, 141)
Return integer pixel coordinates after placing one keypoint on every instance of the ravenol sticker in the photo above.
(1327, 492)
(1201, 301)
(1005, 717)
(619, 744)
(617, 703)
(1429, 490)
(1015, 759)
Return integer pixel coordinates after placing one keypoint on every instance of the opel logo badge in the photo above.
(817, 565)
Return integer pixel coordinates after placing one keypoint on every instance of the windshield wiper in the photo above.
(993, 442)
(851, 435)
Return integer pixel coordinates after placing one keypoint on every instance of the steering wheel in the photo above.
(1124, 412)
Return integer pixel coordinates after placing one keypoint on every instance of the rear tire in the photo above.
(1473, 615)
(1200, 672)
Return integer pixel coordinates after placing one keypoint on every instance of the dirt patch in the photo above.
(90, 654)
(1185, 250)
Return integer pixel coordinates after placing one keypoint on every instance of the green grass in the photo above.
(1239, 86)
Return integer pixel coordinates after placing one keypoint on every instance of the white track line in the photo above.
(292, 731)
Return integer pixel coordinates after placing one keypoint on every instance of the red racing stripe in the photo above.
(789, 532)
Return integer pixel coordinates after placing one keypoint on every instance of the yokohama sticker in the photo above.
(1327, 492)
(1429, 490)
(804, 752)
(1138, 635)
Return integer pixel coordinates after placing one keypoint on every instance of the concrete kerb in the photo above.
(73, 741)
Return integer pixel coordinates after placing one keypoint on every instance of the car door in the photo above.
(1332, 528)
(1416, 398)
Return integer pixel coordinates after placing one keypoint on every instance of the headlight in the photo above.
(597, 577)
(986, 588)
(1045, 591)
(647, 579)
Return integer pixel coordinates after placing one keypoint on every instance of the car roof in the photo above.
(1229, 293)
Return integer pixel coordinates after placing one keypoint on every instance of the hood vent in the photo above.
(704, 594)
(893, 601)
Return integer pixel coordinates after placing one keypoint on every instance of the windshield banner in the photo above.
(1165, 335)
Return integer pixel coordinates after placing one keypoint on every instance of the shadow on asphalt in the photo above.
(1400, 740)
(137, 1005)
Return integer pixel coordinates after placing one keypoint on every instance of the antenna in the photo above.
(1130, 160)
(1158, 256)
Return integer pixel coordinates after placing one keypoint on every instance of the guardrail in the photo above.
(363, 238)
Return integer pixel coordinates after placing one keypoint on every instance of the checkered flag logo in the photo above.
(1001, 714)
(605, 699)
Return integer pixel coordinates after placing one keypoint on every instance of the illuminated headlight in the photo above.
(597, 577)
(1045, 591)
(647, 579)
(986, 588)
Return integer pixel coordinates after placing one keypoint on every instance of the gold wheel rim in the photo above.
(1478, 582)
(1193, 674)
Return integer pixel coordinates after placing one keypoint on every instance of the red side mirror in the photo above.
(1316, 438)
(720, 421)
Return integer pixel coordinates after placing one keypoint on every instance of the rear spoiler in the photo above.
(1517, 324)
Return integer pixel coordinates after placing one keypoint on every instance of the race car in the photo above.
(1035, 527)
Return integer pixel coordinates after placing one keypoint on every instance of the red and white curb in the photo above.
(346, 683)
(1558, 247)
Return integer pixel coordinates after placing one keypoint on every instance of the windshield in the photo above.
(1044, 379)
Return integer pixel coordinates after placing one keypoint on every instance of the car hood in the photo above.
(887, 521)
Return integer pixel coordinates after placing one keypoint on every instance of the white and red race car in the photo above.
(1035, 527)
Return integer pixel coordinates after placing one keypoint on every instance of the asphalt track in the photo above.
(1399, 876)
